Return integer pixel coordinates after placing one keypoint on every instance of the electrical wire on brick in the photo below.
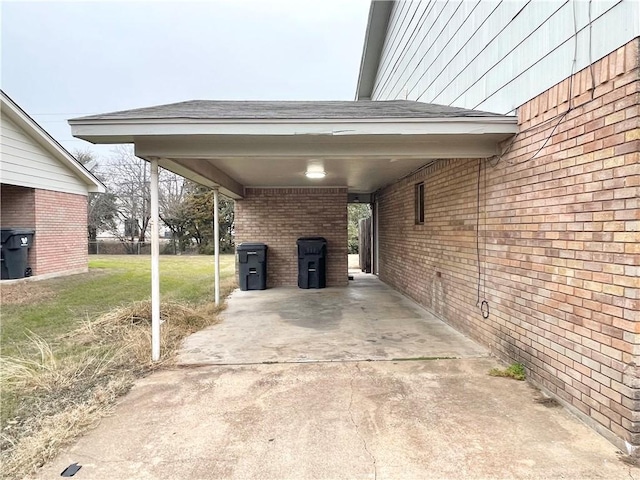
(478, 229)
(573, 72)
(483, 304)
(593, 77)
(496, 160)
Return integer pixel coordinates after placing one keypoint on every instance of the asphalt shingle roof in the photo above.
(301, 110)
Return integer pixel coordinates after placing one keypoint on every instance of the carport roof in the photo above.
(287, 110)
(361, 145)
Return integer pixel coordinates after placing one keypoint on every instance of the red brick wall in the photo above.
(17, 206)
(61, 232)
(559, 244)
(279, 216)
(60, 221)
(17, 209)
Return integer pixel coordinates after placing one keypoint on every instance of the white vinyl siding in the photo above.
(495, 55)
(25, 163)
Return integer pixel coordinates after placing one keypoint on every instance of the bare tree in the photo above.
(102, 208)
(128, 179)
(185, 208)
(173, 213)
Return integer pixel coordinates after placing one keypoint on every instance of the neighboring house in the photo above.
(555, 214)
(521, 231)
(44, 188)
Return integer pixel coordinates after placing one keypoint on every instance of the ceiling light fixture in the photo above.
(315, 170)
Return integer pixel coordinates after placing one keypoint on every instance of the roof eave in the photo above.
(291, 121)
(125, 131)
(379, 14)
(40, 135)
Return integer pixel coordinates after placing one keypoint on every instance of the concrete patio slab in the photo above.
(433, 419)
(365, 321)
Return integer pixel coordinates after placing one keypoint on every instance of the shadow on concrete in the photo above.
(365, 321)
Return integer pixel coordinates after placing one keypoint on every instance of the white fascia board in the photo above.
(127, 130)
(35, 131)
(376, 33)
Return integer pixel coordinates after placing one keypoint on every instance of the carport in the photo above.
(299, 160)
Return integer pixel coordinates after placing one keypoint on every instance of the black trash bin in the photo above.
(252, 266)
(312, 262)
(15, 245)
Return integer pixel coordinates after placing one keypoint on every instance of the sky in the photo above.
(61, 60)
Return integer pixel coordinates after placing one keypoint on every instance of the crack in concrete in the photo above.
(197, 365)
(355, 425)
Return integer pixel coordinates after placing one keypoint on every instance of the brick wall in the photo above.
(61, 232)
(279, 216)
(558, 242)
(17, 206)
(17, 209)
(60, 221)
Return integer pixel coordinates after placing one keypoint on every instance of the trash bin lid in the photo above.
(243, 247)
(312, 240)
(5, 233)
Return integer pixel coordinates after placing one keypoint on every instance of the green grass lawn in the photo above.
(50, 308)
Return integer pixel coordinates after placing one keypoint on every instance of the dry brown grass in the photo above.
(47, 433)
(130, 327)
(61, 397)
(48, 374)
(24, 293)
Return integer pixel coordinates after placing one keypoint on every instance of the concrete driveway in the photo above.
(370, 420)
(366, 321)
(322, 412)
